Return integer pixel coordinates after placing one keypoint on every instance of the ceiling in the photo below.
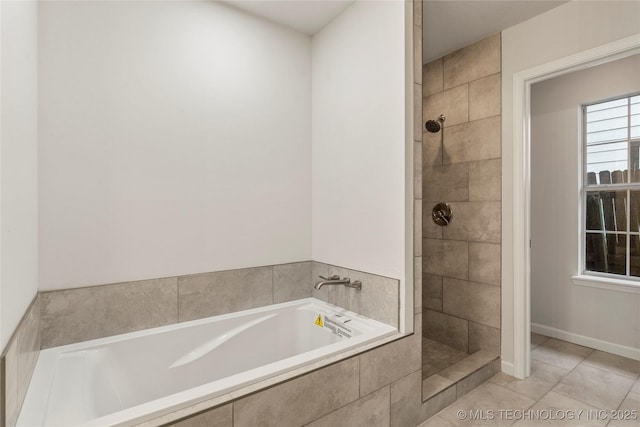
(306, 16)
(448, 25)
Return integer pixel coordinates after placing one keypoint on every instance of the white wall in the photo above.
(18, 162)
(605, 315)
(175, 138)
(358, 184)
(565, 30)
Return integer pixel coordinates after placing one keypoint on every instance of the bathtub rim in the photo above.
(163, 414)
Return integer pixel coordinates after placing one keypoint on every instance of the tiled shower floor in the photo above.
(444, 367)
(436, 357)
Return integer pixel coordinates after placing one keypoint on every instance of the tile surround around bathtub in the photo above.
(405, 401)
(2, 399)
(18, 362)
(378, 299)
(218, 417)
(371, 411)
(147, 304)
(74, 315)
(221, 292)
(81, 314)
(28, 342)
(390, 362)
(287, 281)
(10, 375)
(307, 398)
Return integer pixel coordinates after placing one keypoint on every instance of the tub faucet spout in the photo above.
(335, 280)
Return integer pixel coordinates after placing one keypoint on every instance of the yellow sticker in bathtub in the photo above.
(319, 321)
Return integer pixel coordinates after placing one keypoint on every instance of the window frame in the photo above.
(585, 277)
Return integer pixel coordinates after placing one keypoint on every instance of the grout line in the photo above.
(466, 241)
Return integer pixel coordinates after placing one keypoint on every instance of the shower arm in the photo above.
(434, 126)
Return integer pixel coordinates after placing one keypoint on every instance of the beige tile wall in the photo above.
(378, 299)
(461, 268)
(75, 315)
(17, 364)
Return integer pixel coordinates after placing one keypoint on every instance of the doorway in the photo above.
(521, 184)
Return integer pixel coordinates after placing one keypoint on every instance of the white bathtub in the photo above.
(127, 379)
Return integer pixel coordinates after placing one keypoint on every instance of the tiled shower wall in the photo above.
(461, 268)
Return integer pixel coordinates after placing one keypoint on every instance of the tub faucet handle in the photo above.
(334, 277)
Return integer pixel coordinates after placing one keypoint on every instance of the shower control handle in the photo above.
(441, 214)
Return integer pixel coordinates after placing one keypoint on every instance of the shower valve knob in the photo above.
(441, 214)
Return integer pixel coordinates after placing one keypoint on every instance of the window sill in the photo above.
(610, 284)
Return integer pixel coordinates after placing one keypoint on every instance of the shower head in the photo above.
(434, 126)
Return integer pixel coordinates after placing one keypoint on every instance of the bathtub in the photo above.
(131, 378)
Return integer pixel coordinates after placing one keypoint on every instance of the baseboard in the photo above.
(507, 367)
(609, 347)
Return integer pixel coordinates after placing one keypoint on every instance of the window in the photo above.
(611, 188)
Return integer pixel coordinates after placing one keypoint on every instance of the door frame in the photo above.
(521, 192)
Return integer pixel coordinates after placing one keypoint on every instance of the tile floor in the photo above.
(436, 357)
(569, 385)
